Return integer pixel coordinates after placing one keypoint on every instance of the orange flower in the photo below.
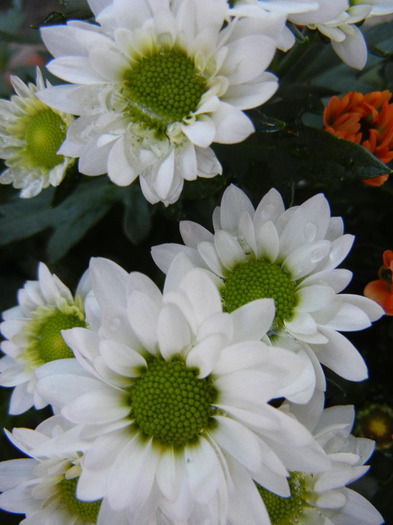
(381, 291)
(366, 120)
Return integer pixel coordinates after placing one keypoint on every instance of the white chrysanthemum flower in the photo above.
(379, 7)
(31, 134)
(175, 398)
(33, 334)
(43, 487)
(342, 28)
(263, 8)
(288, 255)
(155, 84)
(338, 20)
(324, 499)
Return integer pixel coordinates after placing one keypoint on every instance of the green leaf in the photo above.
(23, 218)
(265, 123)
(69, 221)
(302, 153)
(80, 212)
(137, 215)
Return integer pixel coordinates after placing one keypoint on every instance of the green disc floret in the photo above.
(171, 404)
(44, 333)
(44, 133)
(287, 511)
(261, 279)
(50, 342)
(85, 510)
(162, 88)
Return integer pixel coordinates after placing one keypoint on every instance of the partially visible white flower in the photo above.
(338, 20)
(32, 333)
(175, 398)
(324, 499)
(289, 255)
(264, 9)
(43, 486)
(342, 29)
(346, 38)
(379, 7)
(31, 134)
(155, 84)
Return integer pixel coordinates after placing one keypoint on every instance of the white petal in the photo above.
(121, 358)
(98, 406)
(203, 356)
(165, 175)
(342, 357)
(358, 509)
(119, 169)
(304, 259)
(228, 249)
(193, 233)
(202, 294)
(370, 307)
(15, 471)
(132, 476)
(238, 441)
(203, 470)
(242, 63)
(74, 69)
(313, 298)
(178, 269)
(169, 472)
(143, 315)
(353, 50)
(174, 333)
(232, 125)
(164, 254)
(109, 282)
(252, 320)
(246, 96)
(201, 132)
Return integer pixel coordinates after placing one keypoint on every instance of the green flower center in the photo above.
(261, 279)
(170, 403)
(46, 342)
(44, 133)
(162, 88)
(87, 511)
(287, 511)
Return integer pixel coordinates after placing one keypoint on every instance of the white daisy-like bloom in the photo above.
(346, 38)
(288, 255)
(324, 499)
(342, 29)
(31, 134)
(155, 83)
(379, 7)
(336, 20)
(43, 486)
(323, 11)
(32, 332)
(175, 398)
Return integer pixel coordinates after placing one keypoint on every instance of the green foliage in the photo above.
(70, 220)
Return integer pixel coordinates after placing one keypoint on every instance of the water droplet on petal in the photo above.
(310, 231)
(336, 253)
(298, 269)
(318, 254)
(267, 212)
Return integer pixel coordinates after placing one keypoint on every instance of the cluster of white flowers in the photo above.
(154, 84)
(169, 404)
(203, 402)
